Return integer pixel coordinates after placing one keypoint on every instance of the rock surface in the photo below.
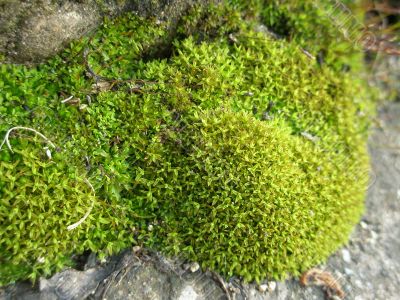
(33, 30)
(367, 268)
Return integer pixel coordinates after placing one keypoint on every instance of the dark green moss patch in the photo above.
(236, 149)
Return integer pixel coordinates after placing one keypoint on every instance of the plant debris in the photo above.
(325, 279)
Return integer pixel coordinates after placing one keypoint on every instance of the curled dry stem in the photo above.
(73, 226)
(325, 279)
(7, 141)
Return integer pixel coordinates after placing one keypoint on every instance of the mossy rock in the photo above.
(232, 148)
(31, 31)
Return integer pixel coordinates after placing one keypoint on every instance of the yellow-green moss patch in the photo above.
(233, 148)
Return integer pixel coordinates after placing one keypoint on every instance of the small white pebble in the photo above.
(234, 289)
(194, 267)
(136, 249)
(346, 255)
(232, 38)
(48, 152)
(348, 271)
(262, 287)
(373, 238)
(41, 260)
(363, 225)
(271, 286)
(150, 227)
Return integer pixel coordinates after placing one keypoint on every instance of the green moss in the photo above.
(256, 200)
(40, 199)
(239, 150)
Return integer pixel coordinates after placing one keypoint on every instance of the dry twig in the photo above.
(73, 226)
(6, 137)
(325, 279)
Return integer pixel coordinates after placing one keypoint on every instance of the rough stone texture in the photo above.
(33, 30)
(367, 268)
(126, 276)
(386, 76)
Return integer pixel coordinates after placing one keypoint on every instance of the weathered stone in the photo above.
(33, 30)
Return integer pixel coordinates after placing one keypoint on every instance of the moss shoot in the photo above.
(235, 148)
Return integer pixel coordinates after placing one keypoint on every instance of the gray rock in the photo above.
(33, 30)
(72, 284)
